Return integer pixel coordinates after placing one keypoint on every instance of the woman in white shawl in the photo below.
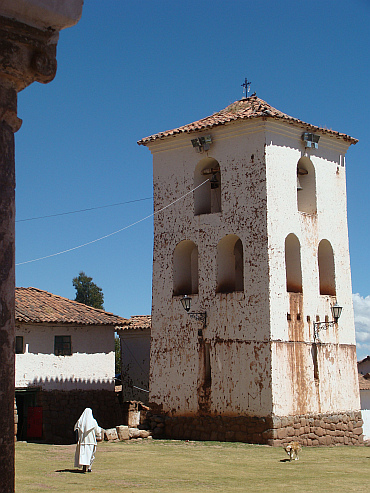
(87, 428)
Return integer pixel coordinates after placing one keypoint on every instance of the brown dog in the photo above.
(293, 449)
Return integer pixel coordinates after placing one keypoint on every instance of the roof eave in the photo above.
(146, 141)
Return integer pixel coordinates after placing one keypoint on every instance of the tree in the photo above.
(87, 292)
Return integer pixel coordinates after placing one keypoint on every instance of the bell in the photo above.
(298, 184)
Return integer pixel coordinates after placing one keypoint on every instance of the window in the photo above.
(293, 264)
(185, 268)
(306, 186)
(230, 265)
(62, 346)
(326, 268)
(207, 198)
(19, 345)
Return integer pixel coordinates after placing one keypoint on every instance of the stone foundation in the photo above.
(61, 410)
(308, 430)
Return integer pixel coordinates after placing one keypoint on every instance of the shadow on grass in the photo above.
(77, 471)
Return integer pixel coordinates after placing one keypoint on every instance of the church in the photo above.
(253, 335)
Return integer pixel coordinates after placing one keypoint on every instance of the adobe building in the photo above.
(64, 363)
(260, 247)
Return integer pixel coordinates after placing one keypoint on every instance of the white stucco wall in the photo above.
(237, 323)
(135, 363)
(260, 363)
(366, 425)
(294, 387)
(90, 367)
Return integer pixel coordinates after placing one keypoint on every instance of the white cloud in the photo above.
(361, 307)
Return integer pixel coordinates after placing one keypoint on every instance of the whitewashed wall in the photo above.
(260, 364)
(238, 323)
(294, 387)
(90, 367)
(135, 363)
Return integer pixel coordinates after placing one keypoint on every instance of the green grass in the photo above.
(176, 466)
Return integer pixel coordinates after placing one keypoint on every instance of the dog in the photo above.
(293, 449)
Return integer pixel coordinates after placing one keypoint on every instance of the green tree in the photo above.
(87, 292)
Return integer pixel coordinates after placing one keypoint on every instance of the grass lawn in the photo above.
(177, 466)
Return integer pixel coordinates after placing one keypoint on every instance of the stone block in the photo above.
(319, 432)
(240, 436)
(144, 434)
(290, 431)
(281, 433)
(269, 434)
(123, 432)
(111, 434)
(357, 431)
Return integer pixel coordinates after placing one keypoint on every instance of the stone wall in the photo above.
(309, 430)
(61, 410)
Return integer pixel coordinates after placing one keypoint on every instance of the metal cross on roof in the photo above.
(247, 86)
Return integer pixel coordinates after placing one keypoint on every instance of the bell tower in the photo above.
(258, 245)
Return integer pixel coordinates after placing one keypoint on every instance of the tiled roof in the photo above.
(138, 322)
(37, 306)
(363, 360)
(364, 381)
(244, 109)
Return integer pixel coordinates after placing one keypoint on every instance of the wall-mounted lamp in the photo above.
(310, 140)
(201, 316)
(201, 144)
(336, 311)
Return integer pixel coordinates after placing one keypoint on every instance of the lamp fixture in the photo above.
(201, 316)
(310, 140)
(336, 311)
(203, 143)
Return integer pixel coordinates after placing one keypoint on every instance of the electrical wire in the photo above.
(82, 210)
(115, 232)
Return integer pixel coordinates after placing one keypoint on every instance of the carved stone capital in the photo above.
(27, 54)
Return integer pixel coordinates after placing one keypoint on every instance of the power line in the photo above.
(83, 210)
(115, 232)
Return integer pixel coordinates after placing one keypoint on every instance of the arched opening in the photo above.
(230, 265)
(293, 264)
(185, 268)
(207, 198)
(326, 268)
(306, 186)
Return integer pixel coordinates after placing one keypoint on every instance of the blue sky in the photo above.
(130, 69)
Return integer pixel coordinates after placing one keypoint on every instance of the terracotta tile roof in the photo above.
(244, 109)
(363, 360)
(38, 306)
(137, 322)
(364, 381)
